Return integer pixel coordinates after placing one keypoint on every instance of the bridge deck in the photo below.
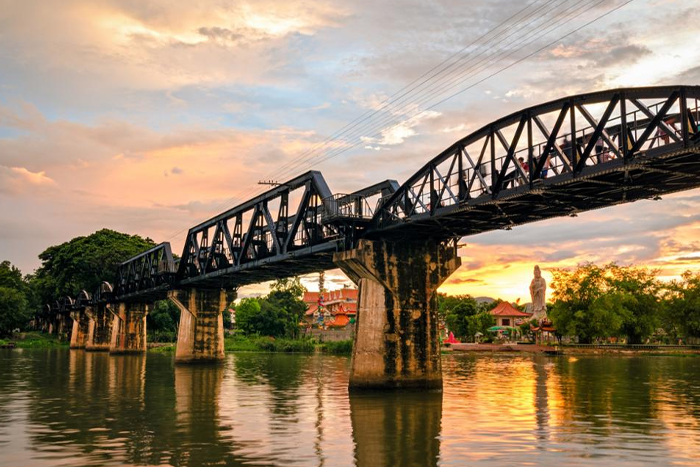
(657, 173)
(566, 156)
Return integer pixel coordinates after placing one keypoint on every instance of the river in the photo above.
(71, 408)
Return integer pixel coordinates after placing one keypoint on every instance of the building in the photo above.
(331, 309)
(507, 315)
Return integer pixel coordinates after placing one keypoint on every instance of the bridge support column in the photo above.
(129, 328)
(396, 338)
(64, 327)
(200, 336)
(81, 325)
(100, 328)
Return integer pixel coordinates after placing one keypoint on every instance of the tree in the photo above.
(597, 302)
(581, 307)
(259, 316)
(457, 317)
(277, 314)
(463, 315)
(246, 312)
(638, 292)
(683, 311)
(84, 262)
(479, 323)
(163, 321)
(14, 310)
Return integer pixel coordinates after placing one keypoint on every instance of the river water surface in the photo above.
(71, 408)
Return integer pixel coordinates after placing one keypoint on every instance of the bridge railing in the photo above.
(568, 137)
(347, 206)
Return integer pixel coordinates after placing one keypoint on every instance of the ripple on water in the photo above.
(75, 409)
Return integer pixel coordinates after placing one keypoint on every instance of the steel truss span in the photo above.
(578, 153)
(556, 159)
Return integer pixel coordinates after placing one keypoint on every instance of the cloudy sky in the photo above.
(148, 117)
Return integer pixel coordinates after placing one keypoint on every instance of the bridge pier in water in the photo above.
(200, 337)
(81, 326)
(129, 328)
(100, 328)
(397, 343)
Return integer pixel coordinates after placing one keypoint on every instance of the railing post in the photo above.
(574, 142)
(623, 128)
(684, 117)
(494, 175)
(530, 150)
(460, 178)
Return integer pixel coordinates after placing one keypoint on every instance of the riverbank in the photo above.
(578, 349)
(33, 340)
(269, 344)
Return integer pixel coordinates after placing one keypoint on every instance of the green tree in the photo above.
(457, 317)
(260, 316)
(162, 322)
(683, 310)
(479, 322)
(598, 302)
(277, 314)
(637, 291)
(84, 262)
(581, 305)
(14, 310)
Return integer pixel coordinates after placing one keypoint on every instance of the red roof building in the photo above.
(507, 315)
(339, 307)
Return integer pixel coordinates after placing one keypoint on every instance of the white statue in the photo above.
(538, 288)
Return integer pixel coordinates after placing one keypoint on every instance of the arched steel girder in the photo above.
(578, 153)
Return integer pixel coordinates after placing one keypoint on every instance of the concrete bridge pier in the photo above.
(129, 328)
(100, 328)
(396, 338)
(81, 325)
(64, 327)
(200, 335)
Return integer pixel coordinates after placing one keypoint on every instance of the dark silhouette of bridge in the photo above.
(566, 156)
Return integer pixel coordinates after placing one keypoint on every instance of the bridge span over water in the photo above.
(398, 242)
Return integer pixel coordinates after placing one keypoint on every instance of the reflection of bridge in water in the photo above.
(398, 243)
(88, 408)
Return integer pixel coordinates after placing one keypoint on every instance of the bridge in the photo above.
(398, 243)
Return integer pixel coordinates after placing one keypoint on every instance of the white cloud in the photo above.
(19, 180)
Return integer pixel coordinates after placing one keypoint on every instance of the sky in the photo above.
(149, 117)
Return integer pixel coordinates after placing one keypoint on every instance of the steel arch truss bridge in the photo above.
(573, 154)
(556, 159)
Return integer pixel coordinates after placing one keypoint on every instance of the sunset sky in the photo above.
(148, 117)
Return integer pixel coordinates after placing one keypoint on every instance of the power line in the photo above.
(365, 116)
(388, 102)
(505, 67)
(402, 118)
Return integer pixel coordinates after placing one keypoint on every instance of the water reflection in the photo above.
(396, 429)
(77, 408)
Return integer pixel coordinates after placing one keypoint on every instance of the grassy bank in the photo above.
(35, 340)
(268, 344)
(232, 344)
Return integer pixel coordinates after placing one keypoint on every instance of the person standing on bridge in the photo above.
(525, 167)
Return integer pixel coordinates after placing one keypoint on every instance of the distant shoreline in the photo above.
(587, 349)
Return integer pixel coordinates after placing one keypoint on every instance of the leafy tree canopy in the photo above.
(597, 302)
(683, 310)
(84, 262)
(278, 314)
(14, 306)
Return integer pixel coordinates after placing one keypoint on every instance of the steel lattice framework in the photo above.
(566, 156)
(149, 272)
(578, 153)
